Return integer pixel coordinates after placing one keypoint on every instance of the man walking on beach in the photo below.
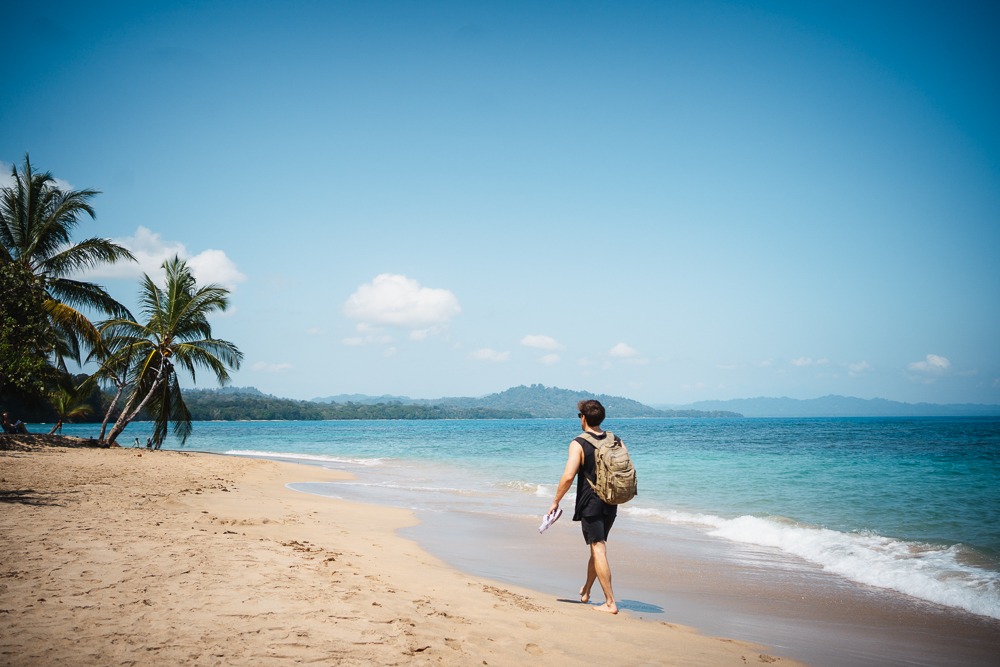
(595, 516)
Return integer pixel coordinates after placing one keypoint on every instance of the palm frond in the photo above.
(86, 254)
(87, 295)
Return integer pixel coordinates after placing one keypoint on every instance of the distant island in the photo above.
(523, 402)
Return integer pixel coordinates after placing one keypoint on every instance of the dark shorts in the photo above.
(596, 528)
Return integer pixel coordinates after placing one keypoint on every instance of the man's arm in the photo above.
(573, 462)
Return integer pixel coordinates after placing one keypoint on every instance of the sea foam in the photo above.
(316, 458)
(934, 573)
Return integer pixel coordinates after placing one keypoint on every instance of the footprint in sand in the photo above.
(533, 649)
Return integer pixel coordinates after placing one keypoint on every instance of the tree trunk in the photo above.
(128, 414)
(111, 408)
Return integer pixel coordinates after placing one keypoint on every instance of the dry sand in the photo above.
(131, 557)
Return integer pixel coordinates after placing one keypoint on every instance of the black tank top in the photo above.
(587, 502)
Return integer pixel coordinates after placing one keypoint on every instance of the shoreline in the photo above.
(689, 578)
(123, 556)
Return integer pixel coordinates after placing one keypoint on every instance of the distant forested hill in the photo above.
(536, 401)
(552, 402)
(229, 405)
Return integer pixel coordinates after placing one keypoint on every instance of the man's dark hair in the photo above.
(593, 411)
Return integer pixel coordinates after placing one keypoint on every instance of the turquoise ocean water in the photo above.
(905, 504)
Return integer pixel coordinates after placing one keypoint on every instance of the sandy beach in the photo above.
(131, 557)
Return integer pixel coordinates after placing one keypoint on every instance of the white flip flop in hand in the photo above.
(549, 519)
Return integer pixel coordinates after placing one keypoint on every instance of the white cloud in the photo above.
(549, 359)
(627, 354)
(314, 331)
(540, 342)
(397, 301)
(151, 250)
(809, 361)
(858, 368)
(623, 351)
(486, 354)
(271, 368)
(932, 363)
(214, 267)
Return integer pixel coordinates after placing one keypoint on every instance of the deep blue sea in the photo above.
(906, 504)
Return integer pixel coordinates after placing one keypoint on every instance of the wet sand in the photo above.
(720, 588)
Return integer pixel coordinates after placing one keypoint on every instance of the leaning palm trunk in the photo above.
(129, 414)
(114, 369)
(111, 408)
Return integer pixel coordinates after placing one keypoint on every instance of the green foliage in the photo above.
(553, 402)
(70, 402)
(25, 339)
(221, 405)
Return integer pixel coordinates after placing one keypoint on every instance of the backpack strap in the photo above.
(608, 440)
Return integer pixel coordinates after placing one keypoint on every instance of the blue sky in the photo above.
(671, 201)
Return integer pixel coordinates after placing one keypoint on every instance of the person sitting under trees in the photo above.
(13, 427)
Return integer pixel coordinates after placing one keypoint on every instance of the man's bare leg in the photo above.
(591, 578)
(599, 559)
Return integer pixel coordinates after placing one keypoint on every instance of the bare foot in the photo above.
(607, 608)
(584, 595)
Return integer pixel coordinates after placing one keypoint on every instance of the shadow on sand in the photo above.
(627, 605)
(28, 497)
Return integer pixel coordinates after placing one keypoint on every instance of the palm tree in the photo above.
(70, 403)
(176, 333)
(36, 221)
